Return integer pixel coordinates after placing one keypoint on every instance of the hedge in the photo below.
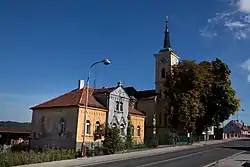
(30, 157)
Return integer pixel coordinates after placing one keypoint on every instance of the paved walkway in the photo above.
(117, 157)
(241, 160)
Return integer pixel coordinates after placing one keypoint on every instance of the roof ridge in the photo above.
(54, 98)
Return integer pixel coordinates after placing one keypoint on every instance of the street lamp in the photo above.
(105, 62)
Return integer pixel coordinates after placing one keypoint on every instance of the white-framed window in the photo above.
(121, 106)
(62, 127)
(122, 129)
(97, 127)
(117, 106)
(132, 130)
(88, 125)
(138, 131)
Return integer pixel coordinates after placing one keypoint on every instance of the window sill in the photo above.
(87, 135)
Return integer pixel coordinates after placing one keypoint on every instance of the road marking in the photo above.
(154, 154)
(96, 163)
(214, 163)
(172, 159)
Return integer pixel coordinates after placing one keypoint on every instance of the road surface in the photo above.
(196, 157)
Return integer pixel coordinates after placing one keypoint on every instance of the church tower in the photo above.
(164, 60)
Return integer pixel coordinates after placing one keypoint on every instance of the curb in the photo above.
(120, 157)
(216, 162)
(151, 154)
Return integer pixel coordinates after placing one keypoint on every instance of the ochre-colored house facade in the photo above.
(59, 122)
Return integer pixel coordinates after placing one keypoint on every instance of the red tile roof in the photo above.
(104, 90)
(240, 125)
(72, 98)
(135, 111)
(78, 97)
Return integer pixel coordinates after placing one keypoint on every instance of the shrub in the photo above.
(152, 142)
(33, 156)
(129, 139)
(113, 140)
(139, 146)
(20, 147)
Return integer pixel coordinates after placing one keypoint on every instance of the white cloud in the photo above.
(234, 24)
(207, 33)
(236, 20)
(246, 66)
(244, 6)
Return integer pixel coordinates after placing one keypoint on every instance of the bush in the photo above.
(113, 141)
(129, 139)
(139, 146)
(20, 147)
(152, 142)
(33, 156)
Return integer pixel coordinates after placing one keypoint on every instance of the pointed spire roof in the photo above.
(167, 43)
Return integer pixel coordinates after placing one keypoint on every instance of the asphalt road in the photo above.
(196, 157)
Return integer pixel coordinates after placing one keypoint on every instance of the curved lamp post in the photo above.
(105, 62)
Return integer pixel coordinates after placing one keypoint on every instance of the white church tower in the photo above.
(164, 60)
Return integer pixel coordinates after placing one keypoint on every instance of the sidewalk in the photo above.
(241, 160)
(124, 156)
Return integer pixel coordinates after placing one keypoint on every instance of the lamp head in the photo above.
(106, 62)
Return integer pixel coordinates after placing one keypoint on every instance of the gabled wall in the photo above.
(49, 133)
(138, 121)
(116, 116)
(149, 108)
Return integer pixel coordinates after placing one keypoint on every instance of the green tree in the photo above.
(200, 95)
(112, 141)
(129, 137)
(220, 101)
(182, 90)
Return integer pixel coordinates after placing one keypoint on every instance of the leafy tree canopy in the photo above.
(199, 95)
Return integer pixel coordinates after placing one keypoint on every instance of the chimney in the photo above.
(80, 84)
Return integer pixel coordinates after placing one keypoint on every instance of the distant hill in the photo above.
(19, 125)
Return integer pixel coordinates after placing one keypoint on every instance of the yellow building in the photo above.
(69, 107)
(59, 121)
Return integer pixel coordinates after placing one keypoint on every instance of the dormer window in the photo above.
(121, 106)
(117, 106)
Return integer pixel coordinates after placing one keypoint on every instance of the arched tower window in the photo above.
(163, 73)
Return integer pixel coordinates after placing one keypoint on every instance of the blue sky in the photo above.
(47, 46)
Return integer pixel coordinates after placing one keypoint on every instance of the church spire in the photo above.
(167, 43)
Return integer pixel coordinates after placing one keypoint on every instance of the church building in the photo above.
(59, 121)
(153, 102)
